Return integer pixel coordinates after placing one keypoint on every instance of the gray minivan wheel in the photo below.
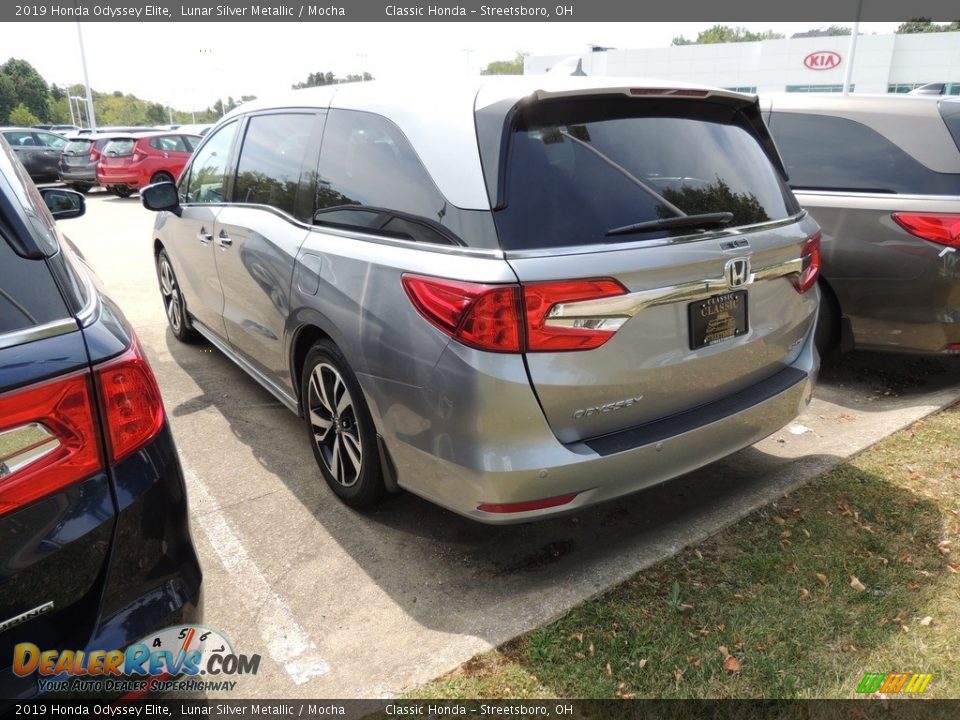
(340, 427)
(173, 304)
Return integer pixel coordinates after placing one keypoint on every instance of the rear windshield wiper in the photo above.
(703, 221)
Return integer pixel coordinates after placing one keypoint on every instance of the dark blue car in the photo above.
(95, 547)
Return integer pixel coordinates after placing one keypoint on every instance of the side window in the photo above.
(190, 142)
(28, 294)
(822, 152)
(271, 160)
(19, 138)
(365, 160)
(206, 180)
(168, 143)
(51, 140)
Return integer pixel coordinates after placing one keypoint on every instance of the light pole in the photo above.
(848, 71)
(79, 114)
(91, 116)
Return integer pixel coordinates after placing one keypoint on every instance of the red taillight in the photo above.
(527, 506)
(60, 412)
(941, 228)
(511, 318)
(582, 334)
(482, 316)
(130, 398)
(94, 155)
(810, 255)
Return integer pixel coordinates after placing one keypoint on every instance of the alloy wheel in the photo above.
(333, 420)
(171, 295)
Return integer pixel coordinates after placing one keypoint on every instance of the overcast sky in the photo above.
(163, 62)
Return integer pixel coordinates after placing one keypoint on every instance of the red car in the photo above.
(128, 164)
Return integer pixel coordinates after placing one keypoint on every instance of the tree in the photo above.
(506, 67)
(8, 97)
(318, 79)
(30, 87)
(829, 31)
(923, 25)
(727, 34)
(22, 116)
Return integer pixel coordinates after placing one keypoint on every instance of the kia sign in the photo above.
(822, 60)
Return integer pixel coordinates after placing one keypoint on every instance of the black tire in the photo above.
(827, 336)
(122, 191)
(161, 177)
(339, 427)
(82, 188)
(174, 305)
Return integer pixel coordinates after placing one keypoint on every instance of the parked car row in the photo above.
(122, 159)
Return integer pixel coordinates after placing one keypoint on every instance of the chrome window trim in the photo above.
(657, 242)
(612, 312)
(878, 196)
(37, 332)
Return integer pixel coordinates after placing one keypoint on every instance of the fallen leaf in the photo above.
(779, 520)
(723, 651)
(698, 554)
(609, 669)
(953, 567)
(856, 584)
(785, 534)
(913, 586)
(592, 651)
(804, 593)
(844, 509)
(579, 638)
(731, 664)
(704, 631)
(642, 664)
(721, 628)
(925, 621)
(806, 532)
(686, 606)
(822, 578)
(944, 547)
(677, 673)
(760, 647)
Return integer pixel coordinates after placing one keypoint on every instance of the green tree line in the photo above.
(27, 99)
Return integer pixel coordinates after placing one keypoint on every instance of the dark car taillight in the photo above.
(941, 228)
(510, 318)
(48, 439)
(132, 407)
(48, 431)
(810, 257)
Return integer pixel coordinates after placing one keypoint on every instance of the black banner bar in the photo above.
(865, 709)
(729, 11)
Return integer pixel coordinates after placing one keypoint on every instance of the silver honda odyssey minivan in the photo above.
(514, 297)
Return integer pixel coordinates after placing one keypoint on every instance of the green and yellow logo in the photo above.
(891, 683)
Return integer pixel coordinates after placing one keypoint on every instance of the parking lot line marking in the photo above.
(287, 642)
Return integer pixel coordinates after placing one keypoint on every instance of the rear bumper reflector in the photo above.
(527, 506)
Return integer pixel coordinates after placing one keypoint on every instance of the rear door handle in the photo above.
(224, 240)
(204, 237)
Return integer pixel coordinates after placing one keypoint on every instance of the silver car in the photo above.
(881, 174)
(512, 297)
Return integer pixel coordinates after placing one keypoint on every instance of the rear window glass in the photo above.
(577, 170)
(78, 147)
(823, 152)
(119, 148)
(169, 143)
(950, 111)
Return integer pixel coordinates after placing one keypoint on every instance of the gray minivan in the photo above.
(881, 175)
(514, 297)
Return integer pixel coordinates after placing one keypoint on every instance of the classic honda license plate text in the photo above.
(718, 318)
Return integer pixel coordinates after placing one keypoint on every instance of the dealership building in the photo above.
(883, 63)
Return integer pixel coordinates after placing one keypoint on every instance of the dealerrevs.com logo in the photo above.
(179, 658)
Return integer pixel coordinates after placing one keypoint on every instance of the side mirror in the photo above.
(161, 196)
(64, 204)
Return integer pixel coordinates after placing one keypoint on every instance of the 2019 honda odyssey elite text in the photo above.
(515, 297)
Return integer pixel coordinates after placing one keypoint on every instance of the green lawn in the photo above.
(853, 573)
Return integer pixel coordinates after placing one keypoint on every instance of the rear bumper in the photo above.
(528, 463)
(152, 579)
(85, 174)
(130, 179)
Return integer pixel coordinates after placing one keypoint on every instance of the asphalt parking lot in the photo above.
(341, 604)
